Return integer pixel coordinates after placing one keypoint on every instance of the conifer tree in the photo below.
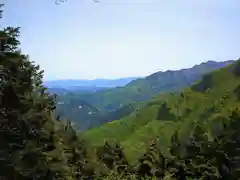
(27, 130)
(226, 148)
(111, 154)
(153, 163)
(177, 164)
(76, 152)
(196, 154)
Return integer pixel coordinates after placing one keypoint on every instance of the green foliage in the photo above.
(152, 163)
(25, 110)
(197, 158)
(164, 113)
(33, 145)
(113, 157)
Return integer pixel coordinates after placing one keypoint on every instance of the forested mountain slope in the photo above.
(87, 110)
(206, 102)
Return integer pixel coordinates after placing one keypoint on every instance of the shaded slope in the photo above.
(85, 116)
(71, 108)
(206, 102)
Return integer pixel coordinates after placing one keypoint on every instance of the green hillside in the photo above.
(113, 104)
(205, 102)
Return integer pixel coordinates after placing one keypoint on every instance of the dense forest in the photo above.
(194, 134)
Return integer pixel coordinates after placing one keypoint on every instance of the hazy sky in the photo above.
(120, 38)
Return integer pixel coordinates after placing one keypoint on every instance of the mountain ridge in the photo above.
(143, 89)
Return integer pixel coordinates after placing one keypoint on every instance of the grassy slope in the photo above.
(206, 102)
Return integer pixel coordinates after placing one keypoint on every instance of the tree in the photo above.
(111, 154)
(27, 129)
(226, 148)
(197, 155)
(177, 165)
(29, 143)
(33, 144)
(153, 163)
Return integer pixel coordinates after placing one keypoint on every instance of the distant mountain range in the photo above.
(74, 84)
(102, 106)
(76, 89)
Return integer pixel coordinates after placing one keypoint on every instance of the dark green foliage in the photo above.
(188, 111)
(196, 154)
(207, 113)
(77, 156)
(25, 110)
(33, 145)
(164, 113)
(236, 69)
(206, 83)
(226, 148)
(217, 159)
(152, 163)
(198, 157)
(176, 165)
(237, 92)
(112, 156)
(175, 148)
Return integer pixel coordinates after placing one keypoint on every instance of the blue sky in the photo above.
(122, 38)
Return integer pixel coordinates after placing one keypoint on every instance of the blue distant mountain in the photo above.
(96, 83)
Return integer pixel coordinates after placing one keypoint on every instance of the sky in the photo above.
(81, 39)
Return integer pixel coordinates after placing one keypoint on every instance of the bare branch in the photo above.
(57, 2)
(62, 1)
